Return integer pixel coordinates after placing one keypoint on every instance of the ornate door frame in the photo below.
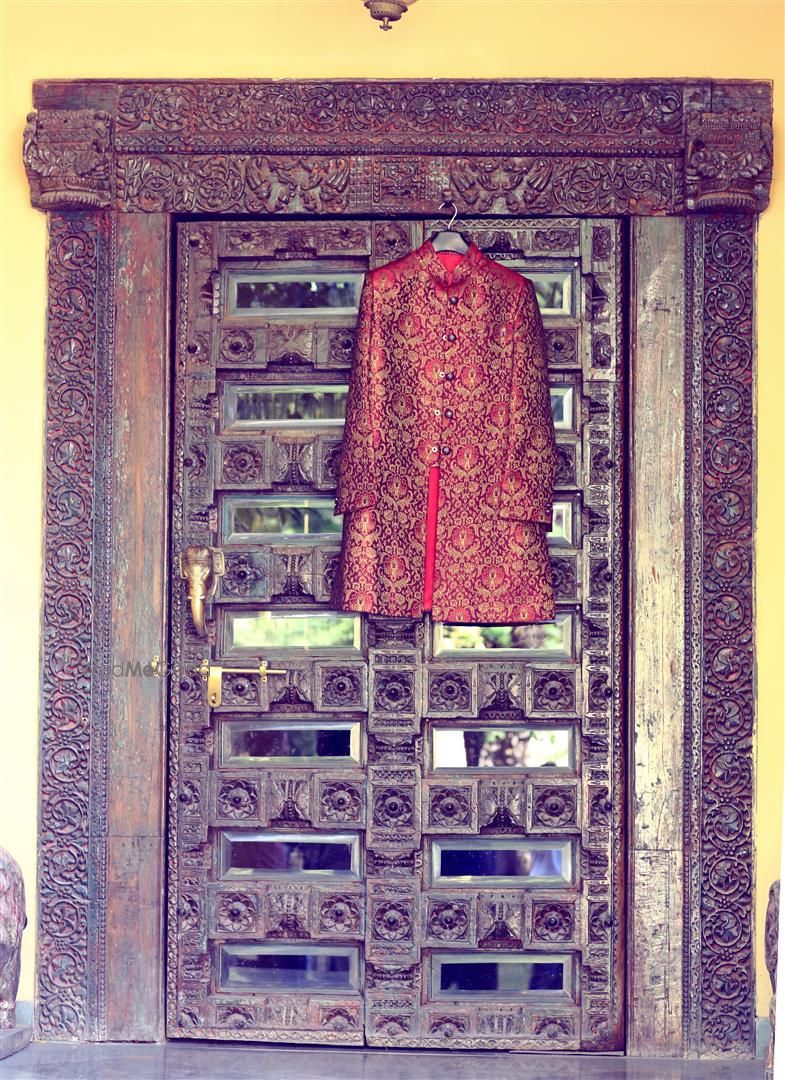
(113, 164)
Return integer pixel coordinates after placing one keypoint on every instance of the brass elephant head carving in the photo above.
(201, 567)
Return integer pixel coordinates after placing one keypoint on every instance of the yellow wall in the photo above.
(336, 38)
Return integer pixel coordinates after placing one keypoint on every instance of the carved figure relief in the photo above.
(13, 920)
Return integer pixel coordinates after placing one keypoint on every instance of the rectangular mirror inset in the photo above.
(278, 519)
(263, 630)
(298, 743)
(503, 862)
(290, 293)
(250, 407)
(501, 975)
(547, 637)
(560, 532)
(294, 855)
(554, 291)
(287, 968)
(562, 407)
(502, 748)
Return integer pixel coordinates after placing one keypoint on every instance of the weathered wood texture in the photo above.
(136, 745)
(657, 628)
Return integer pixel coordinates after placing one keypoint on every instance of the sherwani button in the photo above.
(450, 376)
(448, 413)
(451, 337)
(453, 299)
(445, 450)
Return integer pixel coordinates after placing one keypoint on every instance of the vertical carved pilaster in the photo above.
(76, 664)
(719, 973)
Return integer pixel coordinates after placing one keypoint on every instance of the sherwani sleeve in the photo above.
(357, 473)
(530, 468)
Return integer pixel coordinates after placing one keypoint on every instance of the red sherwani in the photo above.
(449, 369)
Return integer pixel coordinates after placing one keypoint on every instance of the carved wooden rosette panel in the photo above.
(398, 921)
(76, 667)
(720, 675)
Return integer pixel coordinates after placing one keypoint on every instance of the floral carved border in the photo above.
(75, 629)
(719, 545)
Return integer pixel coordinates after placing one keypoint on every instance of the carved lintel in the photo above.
(282, 147)
(728, 161)
(68, 158)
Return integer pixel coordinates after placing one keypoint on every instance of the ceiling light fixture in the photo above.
(388, 11)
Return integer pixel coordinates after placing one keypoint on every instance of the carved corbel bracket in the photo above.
(68, 158)
(728, 161)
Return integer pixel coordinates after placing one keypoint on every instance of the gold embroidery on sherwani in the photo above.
(449, 369)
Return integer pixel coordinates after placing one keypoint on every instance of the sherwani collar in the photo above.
(434, 265)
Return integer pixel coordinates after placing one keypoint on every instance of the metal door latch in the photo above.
(212, 674)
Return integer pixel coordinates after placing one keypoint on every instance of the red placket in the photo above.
(450, 260)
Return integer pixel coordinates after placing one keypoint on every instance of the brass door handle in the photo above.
(212, 674)
(201, 567)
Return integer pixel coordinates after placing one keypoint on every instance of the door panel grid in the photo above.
(407, 833)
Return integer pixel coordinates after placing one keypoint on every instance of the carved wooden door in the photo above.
(384, 831)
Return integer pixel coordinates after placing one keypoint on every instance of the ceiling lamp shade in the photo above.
(388, 11)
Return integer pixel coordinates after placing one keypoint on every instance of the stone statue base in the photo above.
(13, 1039)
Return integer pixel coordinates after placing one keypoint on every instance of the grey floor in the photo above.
(211, 1061)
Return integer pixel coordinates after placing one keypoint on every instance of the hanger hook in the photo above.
(450, 202)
